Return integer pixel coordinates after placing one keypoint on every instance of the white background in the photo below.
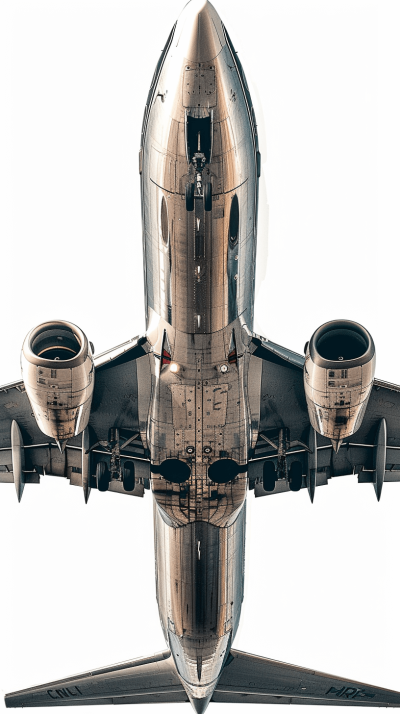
(77, 582)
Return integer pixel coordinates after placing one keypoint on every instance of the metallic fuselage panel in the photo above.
(197, 279)
(201, 409)
(199, 128)
(199, 574)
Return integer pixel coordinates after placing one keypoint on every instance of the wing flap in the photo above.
(255, 679)
(232, 698)
(151, 679)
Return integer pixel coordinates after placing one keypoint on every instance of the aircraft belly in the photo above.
(200, 415)
(199, 198)
(199, 579)
(198, 276)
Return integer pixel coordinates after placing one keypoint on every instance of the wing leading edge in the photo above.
(372, 452)
(115, 432)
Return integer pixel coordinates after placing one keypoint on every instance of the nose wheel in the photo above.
(189, 196)
(207, 196)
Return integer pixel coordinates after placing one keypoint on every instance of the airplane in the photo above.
(68, 452)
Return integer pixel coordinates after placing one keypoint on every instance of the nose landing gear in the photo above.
(189, 196)
(207, 196)
(200, 188)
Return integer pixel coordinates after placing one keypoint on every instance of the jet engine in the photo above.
(58, 373)
(338, 376)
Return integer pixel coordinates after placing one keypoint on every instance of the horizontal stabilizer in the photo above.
(245, 678)
(251, 679)
(139, 681)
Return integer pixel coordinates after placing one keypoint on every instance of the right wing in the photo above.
(250, 679)
(115, 405)
(282, 405)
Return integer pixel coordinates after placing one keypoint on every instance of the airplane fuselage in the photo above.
(199, 166)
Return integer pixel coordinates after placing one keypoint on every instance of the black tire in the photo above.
(189, 195)
(269, 476)
(295, 476)
(128, 476)
(102, 476)
(207, 196)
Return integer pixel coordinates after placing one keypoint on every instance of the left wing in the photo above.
(373, 452)
(114, 435)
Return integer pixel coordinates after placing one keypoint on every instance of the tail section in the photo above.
(245, 678)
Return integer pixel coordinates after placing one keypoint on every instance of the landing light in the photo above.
(174, 367)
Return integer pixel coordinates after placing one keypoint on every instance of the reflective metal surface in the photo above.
(58, 373)
(199, 275)
(198, 163)
(338, 376)
(199, 409)
(199, 574)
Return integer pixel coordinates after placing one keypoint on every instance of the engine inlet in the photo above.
(338, 376)
(56, 343)
(58, 373)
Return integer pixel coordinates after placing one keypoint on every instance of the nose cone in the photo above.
(200, 33)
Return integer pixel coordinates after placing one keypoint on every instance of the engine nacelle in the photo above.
(58, 373)
(338, 377)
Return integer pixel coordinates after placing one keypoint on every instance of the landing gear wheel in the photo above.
(102, 476)
(128, 476)
(269, 476)
(189, 195)
(295, 476)
(207, 196)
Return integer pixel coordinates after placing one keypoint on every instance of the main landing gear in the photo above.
(295, 476)
(102, 476)
(292, 475)
(269, 476)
